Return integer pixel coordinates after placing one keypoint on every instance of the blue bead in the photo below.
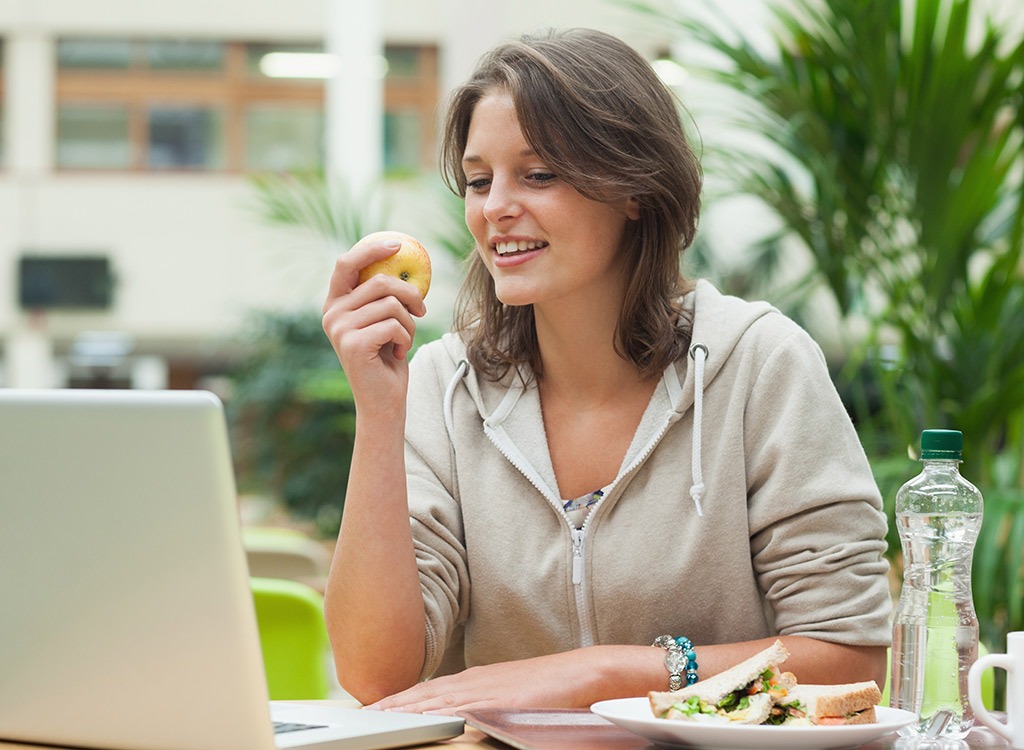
(690, 654)
(692, 665)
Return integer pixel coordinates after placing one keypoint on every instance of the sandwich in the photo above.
(757, 691)
(744, 694)
(828, 705)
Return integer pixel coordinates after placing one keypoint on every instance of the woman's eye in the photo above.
(477, 184)
(542, 177)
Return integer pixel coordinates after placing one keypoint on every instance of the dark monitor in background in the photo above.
(65, 282)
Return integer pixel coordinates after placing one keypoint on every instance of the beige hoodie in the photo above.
(784, 535)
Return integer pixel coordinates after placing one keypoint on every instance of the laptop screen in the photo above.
(126, 617)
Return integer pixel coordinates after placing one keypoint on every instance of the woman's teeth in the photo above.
(507, 248)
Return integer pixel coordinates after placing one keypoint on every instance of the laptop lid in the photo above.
(126, 618)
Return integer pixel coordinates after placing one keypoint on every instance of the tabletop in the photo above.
(540, 737)
(578, 729)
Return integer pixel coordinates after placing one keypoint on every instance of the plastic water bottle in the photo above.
(935, 629)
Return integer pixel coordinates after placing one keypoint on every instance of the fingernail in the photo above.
(392, 244)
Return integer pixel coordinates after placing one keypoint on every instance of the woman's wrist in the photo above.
(621, 672)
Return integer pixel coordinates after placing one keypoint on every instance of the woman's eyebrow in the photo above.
(473, 158)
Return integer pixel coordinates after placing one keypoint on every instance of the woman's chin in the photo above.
(514, 295)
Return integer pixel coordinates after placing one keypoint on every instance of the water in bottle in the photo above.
(935, 629)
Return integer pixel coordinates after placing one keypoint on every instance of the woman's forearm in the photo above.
(373, 604)
(624, 671)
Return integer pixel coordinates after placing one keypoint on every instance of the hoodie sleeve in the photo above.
(434, 511)
(817, 529)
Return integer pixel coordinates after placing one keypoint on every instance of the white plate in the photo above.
(635, 715)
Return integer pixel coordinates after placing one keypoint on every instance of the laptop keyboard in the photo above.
(280, 727)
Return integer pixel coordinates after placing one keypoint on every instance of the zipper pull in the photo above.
(578, 535)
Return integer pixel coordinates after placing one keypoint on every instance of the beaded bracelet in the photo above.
(681, 659)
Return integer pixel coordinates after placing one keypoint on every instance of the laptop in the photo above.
(126, 618)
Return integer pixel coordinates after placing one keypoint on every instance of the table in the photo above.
(474, 739)
(558, 729)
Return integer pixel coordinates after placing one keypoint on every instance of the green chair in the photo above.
(293, 637)
(988, 687)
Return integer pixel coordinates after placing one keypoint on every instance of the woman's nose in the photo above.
(502, 202)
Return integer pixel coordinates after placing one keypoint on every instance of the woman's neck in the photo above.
(577, 351)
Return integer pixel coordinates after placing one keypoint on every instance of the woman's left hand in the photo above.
(565, 680)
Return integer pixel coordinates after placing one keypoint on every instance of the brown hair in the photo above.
(593, 109)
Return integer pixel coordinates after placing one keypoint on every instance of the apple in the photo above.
(410, 263)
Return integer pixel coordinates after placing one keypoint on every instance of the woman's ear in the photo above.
(632, 208)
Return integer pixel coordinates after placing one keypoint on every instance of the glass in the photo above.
(402, 137)
(185, 138)
(93, 54)
(185, 55)
(93, 137)
(283, 138)
(403, 62)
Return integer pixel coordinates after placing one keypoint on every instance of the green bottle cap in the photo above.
(942, 444)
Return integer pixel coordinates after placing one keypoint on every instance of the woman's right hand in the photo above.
(371, 328)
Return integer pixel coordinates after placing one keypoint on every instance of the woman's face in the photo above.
(541, 240)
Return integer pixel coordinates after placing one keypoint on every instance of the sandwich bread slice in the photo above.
(828, 705)
(745, 693)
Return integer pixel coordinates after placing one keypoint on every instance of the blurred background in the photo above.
(177, 179)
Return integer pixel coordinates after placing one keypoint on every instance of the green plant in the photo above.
(891, 145)
(313, 202)
(291, 410)
(292, 416)
(887, 140)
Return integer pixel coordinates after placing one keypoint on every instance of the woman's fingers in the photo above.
(345, 277)
(372, 341)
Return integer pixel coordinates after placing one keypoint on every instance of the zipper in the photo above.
(579, 536)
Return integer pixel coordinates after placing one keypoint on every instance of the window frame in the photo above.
(231, 90)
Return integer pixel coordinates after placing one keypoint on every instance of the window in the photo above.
(201, 105)
(184, 137)
(279, 138)
(411, 93)
(93, 136)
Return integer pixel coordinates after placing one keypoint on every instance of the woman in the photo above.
(600, 453)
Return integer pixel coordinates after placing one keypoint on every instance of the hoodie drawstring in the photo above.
(699, 352)
(449, 395)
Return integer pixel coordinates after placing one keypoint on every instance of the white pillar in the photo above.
(30, 67)
(354, 109)
(30, 76)
(29, 359)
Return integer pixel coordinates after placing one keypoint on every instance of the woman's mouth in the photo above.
(505, 249)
